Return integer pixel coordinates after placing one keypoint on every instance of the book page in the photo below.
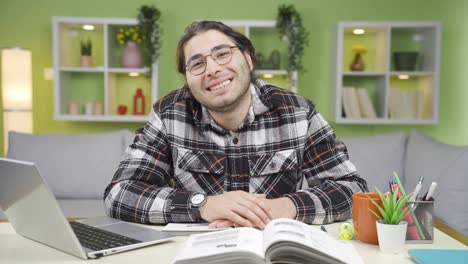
(292, 231)
(190, 227)
(221, 243)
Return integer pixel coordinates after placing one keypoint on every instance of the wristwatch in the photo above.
(196, 201)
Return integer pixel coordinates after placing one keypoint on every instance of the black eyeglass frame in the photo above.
(214, 49)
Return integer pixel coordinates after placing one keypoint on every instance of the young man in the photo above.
(231, 150)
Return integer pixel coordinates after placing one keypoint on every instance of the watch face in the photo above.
(198, 199)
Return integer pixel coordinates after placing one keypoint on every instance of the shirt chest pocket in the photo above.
(275, 173)
(200, 171)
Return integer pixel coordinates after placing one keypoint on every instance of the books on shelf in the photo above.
(365, 103)
(406, 104)
(357, 103)
(350, 102)
(282, 241)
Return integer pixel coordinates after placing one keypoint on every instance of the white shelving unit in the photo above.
(251, 28)
(107, 82)
(397, 96)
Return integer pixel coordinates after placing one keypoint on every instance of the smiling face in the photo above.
(221, 88)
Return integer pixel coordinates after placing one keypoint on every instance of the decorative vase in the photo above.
(131, 55)
(358, 62)
(139, 102)
(86, 61)
(405, 60)
(391, 237)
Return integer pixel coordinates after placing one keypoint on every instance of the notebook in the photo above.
(34, 213)
(437, 256)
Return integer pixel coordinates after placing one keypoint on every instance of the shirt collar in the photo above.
(257, 107)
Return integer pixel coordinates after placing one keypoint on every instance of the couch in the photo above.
(77, 168)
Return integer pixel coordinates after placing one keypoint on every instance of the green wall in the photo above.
(27, 24)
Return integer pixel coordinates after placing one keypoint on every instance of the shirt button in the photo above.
(235, 140)
(272, 165)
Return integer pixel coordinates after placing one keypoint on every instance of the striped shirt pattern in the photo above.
(284, 147)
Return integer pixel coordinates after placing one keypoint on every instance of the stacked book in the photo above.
(357, 103)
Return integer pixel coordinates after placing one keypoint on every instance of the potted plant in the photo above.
(86, 59)
(148, 19)
(391, 229)
(289, 24)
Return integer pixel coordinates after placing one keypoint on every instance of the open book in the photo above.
(282, 241)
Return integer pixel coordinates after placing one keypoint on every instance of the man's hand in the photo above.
(237, 208)
(280, 208)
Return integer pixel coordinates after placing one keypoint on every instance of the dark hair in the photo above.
(195, 28)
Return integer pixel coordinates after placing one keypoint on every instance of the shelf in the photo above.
(272, 72)
(366, 73)
(95, 93)
(104, 118)
(82, 69)
(392, 89)
(129, 70)
(385, 121)
(271, 51)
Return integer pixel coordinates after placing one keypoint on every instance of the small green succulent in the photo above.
(393, 209)
(86, 47)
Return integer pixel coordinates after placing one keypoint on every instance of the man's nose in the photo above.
(212, 67)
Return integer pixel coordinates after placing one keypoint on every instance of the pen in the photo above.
(323, 229)
(420, 233)
(430, 193)
(416, 190)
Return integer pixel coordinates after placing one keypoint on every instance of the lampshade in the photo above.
(16, 91)
(16, 79)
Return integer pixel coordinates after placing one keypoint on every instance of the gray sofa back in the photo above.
(413, 155)
(74, 166)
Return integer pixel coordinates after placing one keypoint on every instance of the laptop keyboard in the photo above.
(98, 239)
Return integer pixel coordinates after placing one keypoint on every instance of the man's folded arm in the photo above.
(331, 177)
(142, 189)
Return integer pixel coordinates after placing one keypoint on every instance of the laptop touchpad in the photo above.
(137, 232)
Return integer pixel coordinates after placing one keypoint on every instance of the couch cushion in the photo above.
(74, 166)
(377, 157)
(448, 166)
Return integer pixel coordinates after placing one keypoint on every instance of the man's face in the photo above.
(221, 87)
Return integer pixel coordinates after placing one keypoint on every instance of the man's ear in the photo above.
(249, 60)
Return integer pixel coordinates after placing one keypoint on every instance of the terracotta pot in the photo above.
(131, 55)
(363, 219)
(86, 61)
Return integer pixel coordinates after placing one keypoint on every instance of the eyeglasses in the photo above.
(221, 54)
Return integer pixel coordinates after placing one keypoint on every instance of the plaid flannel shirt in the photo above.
(284, 147)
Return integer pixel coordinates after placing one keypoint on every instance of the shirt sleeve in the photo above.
(331, 177)
(142, 189)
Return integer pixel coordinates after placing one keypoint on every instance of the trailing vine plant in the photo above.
(289, 24)
(148, 19)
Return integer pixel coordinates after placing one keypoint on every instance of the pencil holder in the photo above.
(420, 222)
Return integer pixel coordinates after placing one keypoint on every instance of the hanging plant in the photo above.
(148, 18)
(289, 24)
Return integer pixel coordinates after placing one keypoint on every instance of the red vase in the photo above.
(131, 55)
(139, 102)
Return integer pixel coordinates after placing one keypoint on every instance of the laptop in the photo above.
(34, 213)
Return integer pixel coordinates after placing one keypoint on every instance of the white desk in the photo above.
(17, 249)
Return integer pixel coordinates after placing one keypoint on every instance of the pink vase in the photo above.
(131, 55)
